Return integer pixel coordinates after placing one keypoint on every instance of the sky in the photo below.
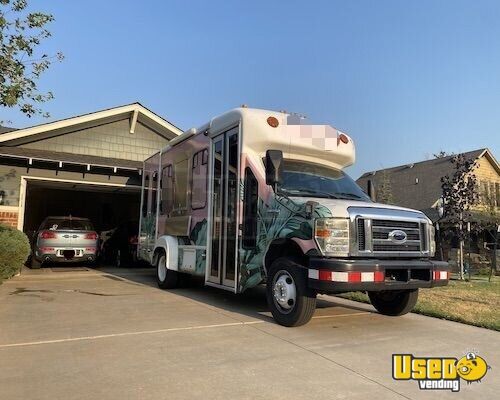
(405, 79)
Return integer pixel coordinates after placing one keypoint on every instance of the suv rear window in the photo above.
(61, 224)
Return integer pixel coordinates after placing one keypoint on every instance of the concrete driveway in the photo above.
(112, 334)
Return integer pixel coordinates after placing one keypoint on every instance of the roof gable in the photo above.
(491, 158)
(108, 140)
(133, 112)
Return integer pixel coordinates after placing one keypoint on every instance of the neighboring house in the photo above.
(88, 165)
(418, 185)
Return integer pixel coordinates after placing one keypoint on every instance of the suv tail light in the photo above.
(91, 236)
(47, 235)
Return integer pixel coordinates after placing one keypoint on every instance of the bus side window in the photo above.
(199, 182)
(167, 190)
(250, 199)
(181, 186)
(154, 191)
(145, 196)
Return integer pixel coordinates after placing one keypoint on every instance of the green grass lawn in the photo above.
(476, 302)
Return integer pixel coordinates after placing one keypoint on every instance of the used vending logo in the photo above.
(439, 373)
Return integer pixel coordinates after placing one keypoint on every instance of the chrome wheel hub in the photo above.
(162, 269)
(284, 291)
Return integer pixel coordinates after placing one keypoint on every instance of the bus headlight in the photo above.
(432, 240)
(332, 236)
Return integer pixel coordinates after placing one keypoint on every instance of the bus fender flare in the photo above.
(170, 246)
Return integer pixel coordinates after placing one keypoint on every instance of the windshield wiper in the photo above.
(350, 195)
(311, 192)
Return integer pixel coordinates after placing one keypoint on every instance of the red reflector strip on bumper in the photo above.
(350, 277)
(324, 275)
(441, 275)
(46, 249)
(379, 276)
(354, 277)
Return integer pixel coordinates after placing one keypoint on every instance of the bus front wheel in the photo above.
(291, 302)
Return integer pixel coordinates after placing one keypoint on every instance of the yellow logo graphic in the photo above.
(472, 368)
(439, 373)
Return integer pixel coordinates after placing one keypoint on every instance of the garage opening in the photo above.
(108, 207)
(105, 206)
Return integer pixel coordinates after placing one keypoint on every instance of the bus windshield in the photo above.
(306, 179)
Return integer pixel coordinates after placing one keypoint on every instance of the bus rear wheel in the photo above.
(291, 302)
(166, 278)
(394, 302)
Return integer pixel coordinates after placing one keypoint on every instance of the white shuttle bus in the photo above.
(260, 197)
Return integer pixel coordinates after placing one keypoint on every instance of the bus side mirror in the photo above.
(371, 190)
(274, 167)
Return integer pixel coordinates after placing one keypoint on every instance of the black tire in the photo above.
(394, 302)
(34, 263)
(168, 280)
(302, 309)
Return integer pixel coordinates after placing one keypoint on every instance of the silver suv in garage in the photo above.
(64, 239)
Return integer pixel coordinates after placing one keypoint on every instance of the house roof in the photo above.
(134, 112)
(5, 129)
(418, 185)
(68, 158)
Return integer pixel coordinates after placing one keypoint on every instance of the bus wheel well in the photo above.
(283, 248)
(157, 253)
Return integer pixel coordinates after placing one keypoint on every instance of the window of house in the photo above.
(250, 204)
(145, 196)
(485, 192)
(199, 182)
(497, 191)
(181, 184)
(167, 190)
(493, 195)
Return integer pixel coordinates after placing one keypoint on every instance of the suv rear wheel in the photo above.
(34, 263)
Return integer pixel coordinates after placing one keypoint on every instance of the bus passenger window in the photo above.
(199, 183)
(181, 185)
(154, 191)
(145, 196)
(167, 190)
(250, 198)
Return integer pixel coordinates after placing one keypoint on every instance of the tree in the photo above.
(21, 65)
(442, 154)
(459, 192)
(384, 194)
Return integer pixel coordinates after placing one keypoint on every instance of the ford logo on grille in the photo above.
(398, 236)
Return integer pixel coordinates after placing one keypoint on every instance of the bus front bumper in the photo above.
(331, 275)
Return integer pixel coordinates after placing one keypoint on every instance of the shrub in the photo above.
(14, 251)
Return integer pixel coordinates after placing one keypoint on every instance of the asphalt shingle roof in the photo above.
(416, 185)
(5, 129)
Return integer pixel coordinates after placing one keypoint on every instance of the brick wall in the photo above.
(9, 218)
